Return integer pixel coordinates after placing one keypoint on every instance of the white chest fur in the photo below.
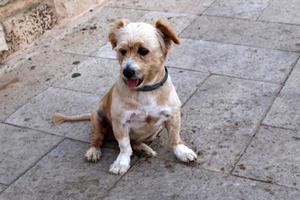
(147, 116)
(147, 112)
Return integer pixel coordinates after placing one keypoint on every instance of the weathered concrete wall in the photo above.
(25, 21)
(22, 27)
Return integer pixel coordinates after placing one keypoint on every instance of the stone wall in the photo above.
(22, 22)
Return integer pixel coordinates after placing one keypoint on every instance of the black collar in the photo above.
(147, 88)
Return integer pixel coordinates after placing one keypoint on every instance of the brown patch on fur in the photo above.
(105, 104)
(150, 120)
(167, 33)
(10, 82)
(153, 72)
(112, 35)
(173, 128)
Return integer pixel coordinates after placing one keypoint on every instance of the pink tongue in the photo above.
(132, 83)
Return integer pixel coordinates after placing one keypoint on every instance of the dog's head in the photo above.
(141, 50)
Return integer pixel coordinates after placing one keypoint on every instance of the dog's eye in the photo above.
(123, 51)
(143, 51)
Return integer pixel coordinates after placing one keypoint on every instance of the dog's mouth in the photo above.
(133, 82)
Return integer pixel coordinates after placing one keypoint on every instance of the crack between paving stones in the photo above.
(264, 181)
(28, 128)
(120, 178)
(52, 134)
(247, 79)
(262, 12)
(242, 45)
(278, 127)
(257, 128)
(200, 85)
(34, 163)
(18, 107)
(250, 20)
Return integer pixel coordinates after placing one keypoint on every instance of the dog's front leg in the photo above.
(181, 151)
(122, 163)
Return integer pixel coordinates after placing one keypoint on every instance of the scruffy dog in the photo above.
(142, 101)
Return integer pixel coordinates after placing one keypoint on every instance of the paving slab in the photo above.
(179, 21)
(64, 174)
(281, 11)
(157, 179)
(272, 156)
(20, 149)
(220, 119)
(2, 187)
(233, 60)
(90, 36)
(238, 8)
(31, 76)
(98, 75)
(244, 32)
(37, 113)
(186, 6)
(285, 111)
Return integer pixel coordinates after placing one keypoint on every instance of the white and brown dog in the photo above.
(142, 101)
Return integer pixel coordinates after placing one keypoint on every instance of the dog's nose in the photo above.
(128, 72)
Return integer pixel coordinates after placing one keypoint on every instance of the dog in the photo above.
(142, 101)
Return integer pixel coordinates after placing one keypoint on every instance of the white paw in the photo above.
(184, 153)
(93, 154)
(121, 165)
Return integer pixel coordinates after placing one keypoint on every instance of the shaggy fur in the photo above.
(134, 118)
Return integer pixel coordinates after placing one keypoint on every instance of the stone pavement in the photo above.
(237, 74)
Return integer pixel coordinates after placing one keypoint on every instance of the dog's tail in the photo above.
(59, 118)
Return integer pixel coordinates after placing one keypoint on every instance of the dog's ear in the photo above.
(167, 32)
(115, 27)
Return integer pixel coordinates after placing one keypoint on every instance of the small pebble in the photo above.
(74, 75)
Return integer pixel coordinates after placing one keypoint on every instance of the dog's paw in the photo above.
(144, 148)
(184, 153)
(93, 154)
(120, 166)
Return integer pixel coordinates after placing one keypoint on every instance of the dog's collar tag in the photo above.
(147, 88)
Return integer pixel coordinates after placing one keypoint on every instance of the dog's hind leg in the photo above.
(142, 147)
(59, 118)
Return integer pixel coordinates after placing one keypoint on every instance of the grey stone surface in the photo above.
(98, 76)
(2, 187)
(106, 51)
(245, 32)
(233, 60)
(272, 156)
(154, 179)
(285, 112)
(219, 120)
(20, 149)
(38, 112)
(187, 6)
(64, 174)
(247, 48)
(179, 21)
(282, 11)
(250, 9)
(32, 75)
(90, 36)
